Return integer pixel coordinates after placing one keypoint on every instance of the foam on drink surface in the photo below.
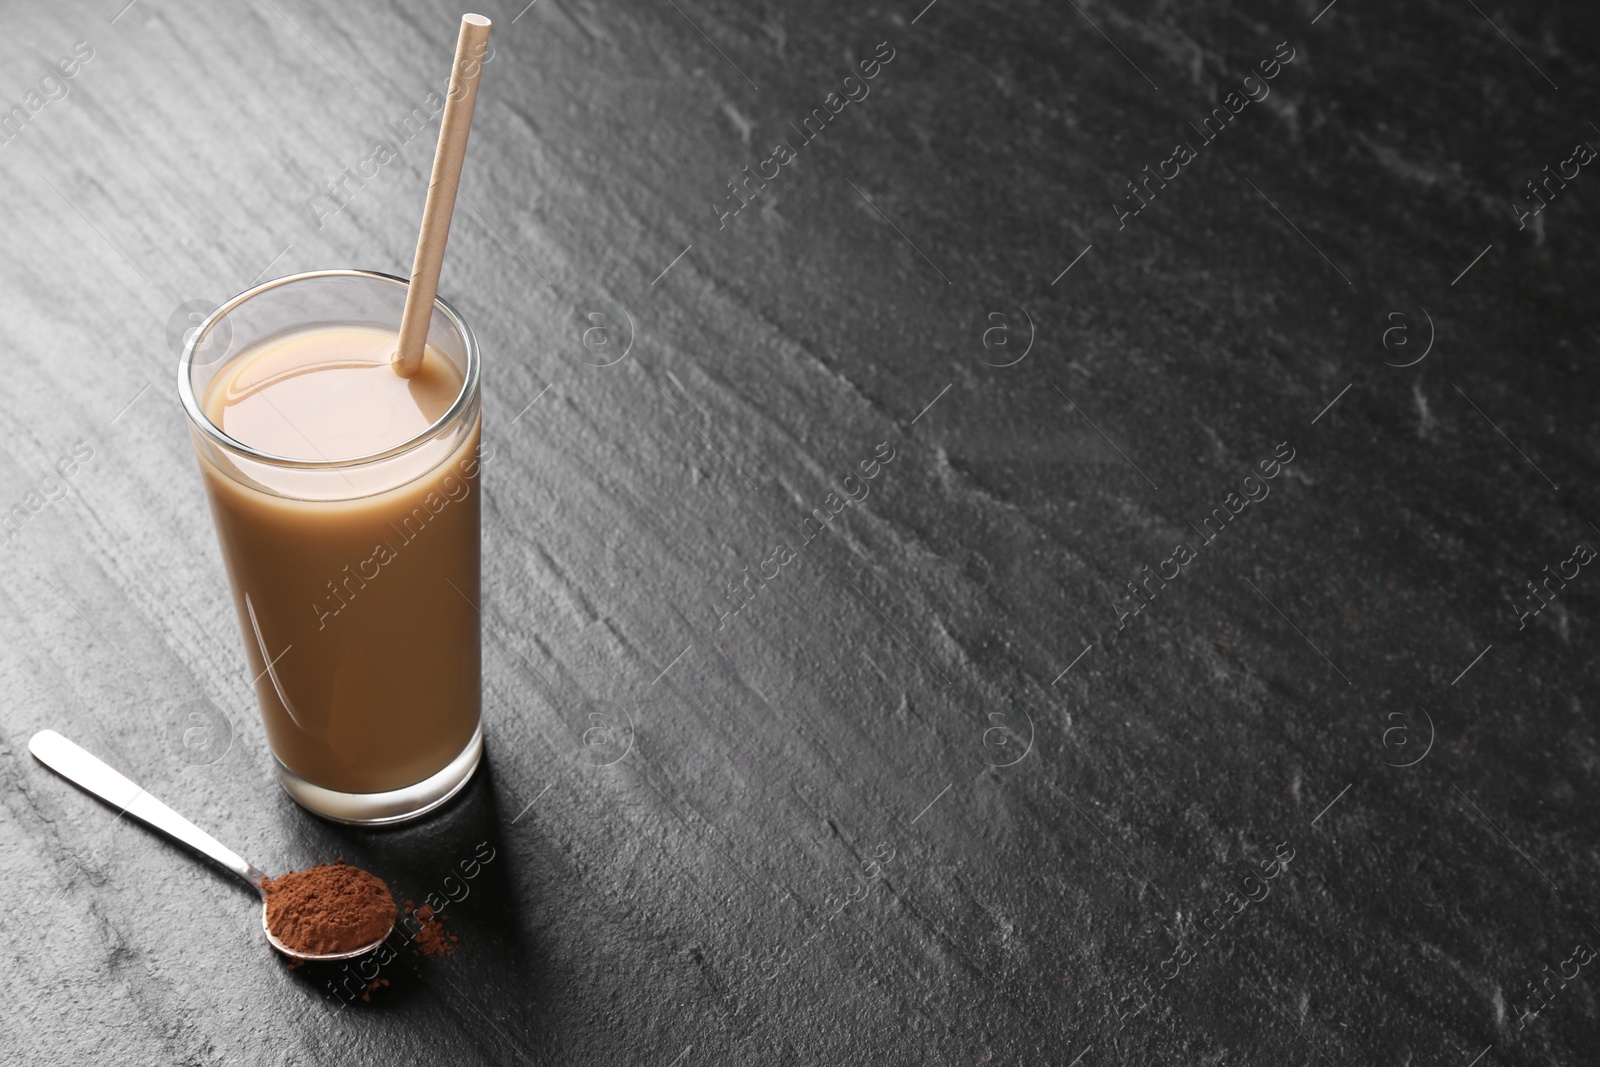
(329, 394)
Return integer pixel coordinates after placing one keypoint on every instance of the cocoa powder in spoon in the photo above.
(328, 908)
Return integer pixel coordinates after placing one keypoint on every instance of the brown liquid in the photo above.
(366, 659)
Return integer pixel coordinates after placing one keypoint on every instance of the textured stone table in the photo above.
(982, 768)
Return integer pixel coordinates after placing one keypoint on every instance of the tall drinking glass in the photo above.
(353, 550)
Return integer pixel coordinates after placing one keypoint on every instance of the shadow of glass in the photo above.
(463, 909)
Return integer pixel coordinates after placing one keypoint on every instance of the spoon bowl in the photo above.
(90, 773)
(313, 957)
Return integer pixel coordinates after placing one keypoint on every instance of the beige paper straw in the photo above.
(453, 130)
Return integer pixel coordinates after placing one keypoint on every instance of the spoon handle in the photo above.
(91, 773)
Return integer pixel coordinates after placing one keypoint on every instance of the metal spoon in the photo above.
(88, 771)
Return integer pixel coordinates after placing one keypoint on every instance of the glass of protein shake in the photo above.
(346, 502)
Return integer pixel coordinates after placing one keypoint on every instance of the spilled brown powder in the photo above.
(432, 939)
(327, 909)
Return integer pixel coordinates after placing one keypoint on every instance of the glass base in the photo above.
(395, 806)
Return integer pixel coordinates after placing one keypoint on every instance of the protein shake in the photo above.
(346, 503)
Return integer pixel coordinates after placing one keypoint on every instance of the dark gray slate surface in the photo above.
(922, 801)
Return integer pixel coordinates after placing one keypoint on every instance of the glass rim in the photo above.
(201, 421)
